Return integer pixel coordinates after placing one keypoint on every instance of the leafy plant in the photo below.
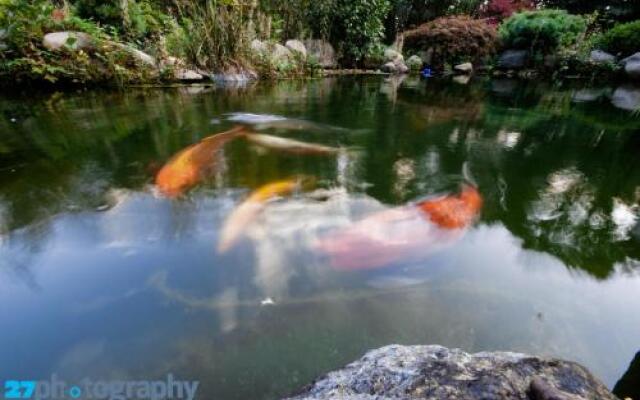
(453, 39)
(542, 31)
(623, 39)
(353, 26)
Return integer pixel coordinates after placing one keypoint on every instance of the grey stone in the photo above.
(414, 62)
(391, 55)
(626, 97)
(601, 57)
(513, 59)
(296, 47)
(139, 56)
(259, 48)
(632, 66)
(322, 52)
(465, 68)
(67, 40)
(183, 74)
(438, 373)
(279, 53)
(401, 67)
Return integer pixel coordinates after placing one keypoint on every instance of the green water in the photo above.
(103, 277)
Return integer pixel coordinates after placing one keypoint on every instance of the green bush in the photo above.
(542, 31)
(623, 39)
(354, 27)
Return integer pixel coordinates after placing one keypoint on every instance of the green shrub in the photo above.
(452, 40)
(623, 39)
(354, 27)
(542, 31)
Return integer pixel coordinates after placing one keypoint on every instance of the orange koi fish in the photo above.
(402, 233)
(248, 210)
(192, 164)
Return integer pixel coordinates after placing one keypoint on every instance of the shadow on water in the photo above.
(133, 284)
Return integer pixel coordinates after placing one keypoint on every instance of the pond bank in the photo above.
(436, 372)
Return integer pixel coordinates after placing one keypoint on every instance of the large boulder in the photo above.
(187, 75)
(297, 47)
(67, 40)
(391, 55)
(513, 59)
(438, 373)
(322, 52)
(280, 54)
(632, 66)
(259, 48)
(601, 57)
(626, 97)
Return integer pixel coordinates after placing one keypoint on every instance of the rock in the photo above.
(389, 67)
(513, 59)
(626, 97)
(259, 48)
(632, 66)
(601, 57)
(465, 68)
(183, 74)
(279, 54)
(139, 56)
(391, 55)
(401, 67)
(297, 47)
(67, 40)
(437, 373)
(414, 63)
(322, 52)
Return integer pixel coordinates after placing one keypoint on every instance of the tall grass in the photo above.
(216, 31)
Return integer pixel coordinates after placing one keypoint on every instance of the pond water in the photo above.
(103, 276)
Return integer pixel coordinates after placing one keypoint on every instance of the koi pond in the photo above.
(330, 217)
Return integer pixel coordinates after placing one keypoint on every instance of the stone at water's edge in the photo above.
(626, 97)
(296, 47)
(438, 373)
(322, 52)
(70, 40)
(513, 59)
(632, 66)
(601, 57)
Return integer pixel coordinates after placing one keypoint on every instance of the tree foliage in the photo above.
(623, 39)
(544, 30)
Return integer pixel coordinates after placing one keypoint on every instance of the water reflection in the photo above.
(136, 288)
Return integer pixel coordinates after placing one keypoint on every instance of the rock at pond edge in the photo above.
(436, 372)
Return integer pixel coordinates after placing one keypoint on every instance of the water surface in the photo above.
(103, 277)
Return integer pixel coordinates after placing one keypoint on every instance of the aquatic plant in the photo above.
(542, 31)
(453, 39)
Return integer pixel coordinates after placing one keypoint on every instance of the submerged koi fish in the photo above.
(248, 210)
(290, 145)
(403, 232)
(189, 166)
